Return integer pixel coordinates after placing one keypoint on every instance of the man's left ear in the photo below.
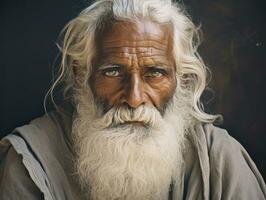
(77, 74)
(75, 69)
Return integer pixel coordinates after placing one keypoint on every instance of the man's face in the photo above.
(131, 151)
(134, 66)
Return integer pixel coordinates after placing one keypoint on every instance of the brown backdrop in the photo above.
(234, 48)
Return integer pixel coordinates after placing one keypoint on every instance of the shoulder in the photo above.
(48, 133)
(223, 149)
(219, 142)
(15, 180)
(40, 152)
(233, 174)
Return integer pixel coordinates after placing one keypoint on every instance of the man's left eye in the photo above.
(154, 74)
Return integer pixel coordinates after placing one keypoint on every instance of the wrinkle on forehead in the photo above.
(151, 42)
(143, 38)
(140, 30)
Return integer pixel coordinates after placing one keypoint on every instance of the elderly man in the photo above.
(133, 127)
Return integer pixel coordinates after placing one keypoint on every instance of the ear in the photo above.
(75, 70)
(77, 74)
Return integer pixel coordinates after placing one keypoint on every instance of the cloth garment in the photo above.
(35, 163)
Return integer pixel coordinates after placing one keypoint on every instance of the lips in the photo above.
(137, 123)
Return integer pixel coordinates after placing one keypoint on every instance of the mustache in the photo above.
(149, 116)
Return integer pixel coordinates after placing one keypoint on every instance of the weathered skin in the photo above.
(134, 65)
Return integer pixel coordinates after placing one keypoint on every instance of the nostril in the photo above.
(126, 105)
(132, 107)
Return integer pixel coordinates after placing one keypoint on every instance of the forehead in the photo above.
(140, 29)
(143, 38)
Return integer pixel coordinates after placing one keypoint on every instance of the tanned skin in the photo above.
(134, 65)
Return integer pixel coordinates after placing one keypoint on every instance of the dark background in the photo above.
(234, 48)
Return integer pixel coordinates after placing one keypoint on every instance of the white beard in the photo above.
(127, 162)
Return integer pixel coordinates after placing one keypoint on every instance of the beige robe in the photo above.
(35, 163)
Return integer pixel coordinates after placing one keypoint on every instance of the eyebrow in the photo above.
(106, 66)
(163, 66)
(157, 66)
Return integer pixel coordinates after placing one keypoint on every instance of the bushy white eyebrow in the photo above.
(106, 66)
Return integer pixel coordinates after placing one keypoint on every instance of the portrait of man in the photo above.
(131, 125)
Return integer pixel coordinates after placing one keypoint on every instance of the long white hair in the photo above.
(78, 46)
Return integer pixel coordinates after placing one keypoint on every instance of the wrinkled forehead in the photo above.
(139, 28)
(133, 34)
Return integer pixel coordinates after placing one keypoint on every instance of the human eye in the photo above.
(112, 71)
(154, 72)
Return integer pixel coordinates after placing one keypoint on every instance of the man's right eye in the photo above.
(111, 72)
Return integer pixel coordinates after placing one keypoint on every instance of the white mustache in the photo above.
(149, 116)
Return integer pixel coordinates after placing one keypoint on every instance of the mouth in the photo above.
(135, 123)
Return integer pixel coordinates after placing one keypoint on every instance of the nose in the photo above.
(133, 94)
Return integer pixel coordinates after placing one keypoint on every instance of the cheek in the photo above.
(106, 89)
(161, 91)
